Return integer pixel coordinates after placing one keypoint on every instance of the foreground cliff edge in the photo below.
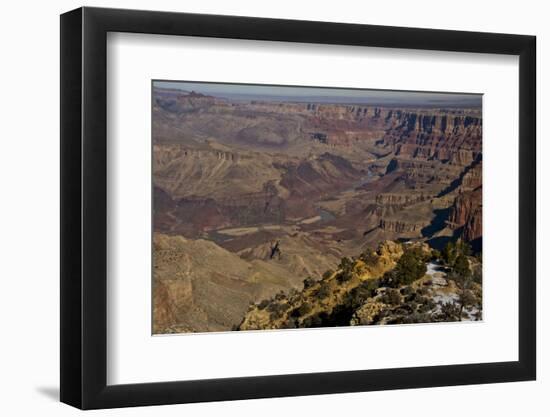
(399, 283)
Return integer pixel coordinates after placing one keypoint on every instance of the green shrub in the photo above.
(454, 250)
(344, 276)
(389, 279)
(461, 266)
(450, 312)
(369, 257)
(416, 318)
(327, 274)
(391, 297)
(346, 264)
(276, 310)
(289, 324)
(323, 291)
(280, 296)
(308, 282)
(359, 295)
(312, 321)
(423, 308)
(304, 309)
(410, 267)
(467, 298)
(406, 290)
(422, 291)
(478, 276)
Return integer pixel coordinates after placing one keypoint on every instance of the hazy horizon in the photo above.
(325, 94)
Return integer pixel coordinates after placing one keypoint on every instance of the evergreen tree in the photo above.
(410, 267)
(462, 266)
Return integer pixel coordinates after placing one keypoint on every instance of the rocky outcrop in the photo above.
(319, 299)
(453, 139)
(397, 226)
(398, 199)
(313, 177)
(194, 216)
(417, 172)
(472, 229)
(180, 102)
(199, 286)
(466, 214)
(472, 177)
(185, 171)
(360, 292)
(368, 313)
(199, 190)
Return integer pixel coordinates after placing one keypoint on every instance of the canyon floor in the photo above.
(252, 198)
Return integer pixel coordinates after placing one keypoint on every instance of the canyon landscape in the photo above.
(279, 207)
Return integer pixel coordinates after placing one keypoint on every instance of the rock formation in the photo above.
(321, 180)
(360, 293)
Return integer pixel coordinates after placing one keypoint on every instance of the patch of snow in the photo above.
(472, 313)
(435, 272)
(445, 298)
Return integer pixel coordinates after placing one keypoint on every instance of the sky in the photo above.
(325, 95)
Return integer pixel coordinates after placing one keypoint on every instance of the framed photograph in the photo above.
(256, 208)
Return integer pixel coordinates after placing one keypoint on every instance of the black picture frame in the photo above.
(84, 207)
